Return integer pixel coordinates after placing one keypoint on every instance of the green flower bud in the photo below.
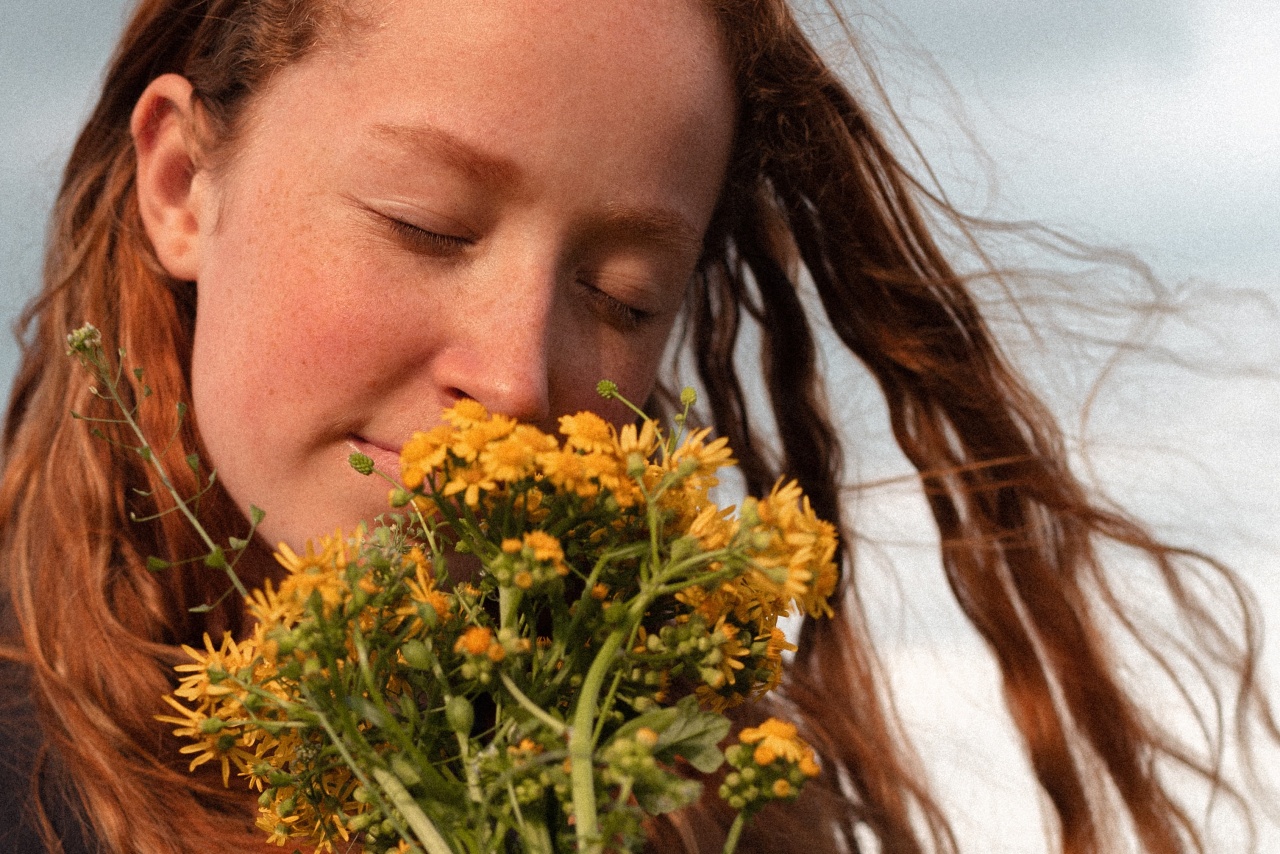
(416, 654)
(404, 769)
(636, 464)
(361, 463)
(460, 714)
(209, 726)
(84, 339)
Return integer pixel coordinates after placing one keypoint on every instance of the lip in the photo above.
(386, 459)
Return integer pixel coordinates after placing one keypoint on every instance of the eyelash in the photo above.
(421, 238)
(625, 315)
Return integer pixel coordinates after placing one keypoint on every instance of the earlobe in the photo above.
(169, 198)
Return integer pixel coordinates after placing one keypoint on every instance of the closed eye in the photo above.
(619, 313)
(429, 242)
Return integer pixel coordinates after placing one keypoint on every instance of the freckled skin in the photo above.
(319, 324)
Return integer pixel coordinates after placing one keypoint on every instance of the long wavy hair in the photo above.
(814, 198)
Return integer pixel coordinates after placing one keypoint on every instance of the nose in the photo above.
(499, 348)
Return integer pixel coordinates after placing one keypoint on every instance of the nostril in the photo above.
(453, 395)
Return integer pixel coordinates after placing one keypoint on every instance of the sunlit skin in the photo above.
(498, 200)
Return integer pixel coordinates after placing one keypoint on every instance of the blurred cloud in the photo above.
(1020, 44)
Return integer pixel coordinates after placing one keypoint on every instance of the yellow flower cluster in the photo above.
(358, 645)
(771, 762)
(476, 454)
(481, 460)
(231, 689)
(775, 739)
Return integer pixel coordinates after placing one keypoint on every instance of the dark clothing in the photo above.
(21, 740)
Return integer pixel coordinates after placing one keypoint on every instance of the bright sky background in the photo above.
(1152, 125)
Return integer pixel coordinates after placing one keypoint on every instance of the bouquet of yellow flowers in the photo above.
(549, 700)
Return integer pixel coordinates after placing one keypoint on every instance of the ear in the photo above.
(169, 183)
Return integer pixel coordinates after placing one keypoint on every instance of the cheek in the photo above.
(632, 362)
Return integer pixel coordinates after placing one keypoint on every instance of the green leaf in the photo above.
(655, 719)
(694, 735)
(236, 543)
(666, 794)
(193, 463)
(365, 708)
(256, 514)
(155, 564)
(201, 609)
(216, 559)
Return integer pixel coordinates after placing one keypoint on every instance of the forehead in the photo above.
(635, 88)
(567, 52)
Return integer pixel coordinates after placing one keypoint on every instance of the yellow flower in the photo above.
(229, 658)
(588, 432)
(465, 413)
(644, 442)
(545, 547)
(515, 456)
(713, 527)
(475, 641)
(801, 547)
(775, 739)
(424, 453)
(708, 458)
(208, 745)
(468, 443)
(468, 480)
(607, 470)
(567, 471)
(315, 571)
(422, 587)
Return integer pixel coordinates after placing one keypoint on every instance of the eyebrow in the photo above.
(656, 225)
(653, 225)
(474, 162)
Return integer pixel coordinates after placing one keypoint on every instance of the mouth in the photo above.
(386, 459)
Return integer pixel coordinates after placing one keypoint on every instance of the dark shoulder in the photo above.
(22, 791)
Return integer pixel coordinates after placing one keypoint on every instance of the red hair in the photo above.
(812, 184)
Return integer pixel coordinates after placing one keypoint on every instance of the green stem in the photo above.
(150, 456)
(341, 747)
(532, 708)
(413, 814)
(508, 606)
(434, 783)
(735, 831)
(582, 743)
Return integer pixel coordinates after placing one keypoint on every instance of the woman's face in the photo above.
(501, 200)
